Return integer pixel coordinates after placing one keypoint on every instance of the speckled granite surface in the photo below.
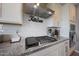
(12, 49)
(17, 49)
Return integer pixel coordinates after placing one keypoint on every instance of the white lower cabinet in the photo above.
(50, 51)
(63, 48)
(67, 48)
(60, 49)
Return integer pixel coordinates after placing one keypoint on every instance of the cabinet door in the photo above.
(11, 13)
(66, 47)
(60, 49)
(72, 14)
(63, 48)
(51, 51)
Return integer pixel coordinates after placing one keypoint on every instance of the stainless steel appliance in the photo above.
(54, 32)
(34, 41)
(72, 35)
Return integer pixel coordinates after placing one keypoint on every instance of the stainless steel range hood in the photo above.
(44, 11)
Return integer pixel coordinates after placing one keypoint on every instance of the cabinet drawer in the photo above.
(51, 51)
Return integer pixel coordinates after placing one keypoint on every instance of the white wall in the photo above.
(30, 28)
(64, 23)
(50, 22)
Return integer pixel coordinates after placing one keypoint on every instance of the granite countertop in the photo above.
(43, 46)
(18, 49)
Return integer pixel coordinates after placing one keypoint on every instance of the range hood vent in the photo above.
(44, 12)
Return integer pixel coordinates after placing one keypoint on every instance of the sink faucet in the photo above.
(17, 32)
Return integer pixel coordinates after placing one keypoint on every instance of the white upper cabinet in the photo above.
(56, 17)
(72, 13)
(11, 13)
